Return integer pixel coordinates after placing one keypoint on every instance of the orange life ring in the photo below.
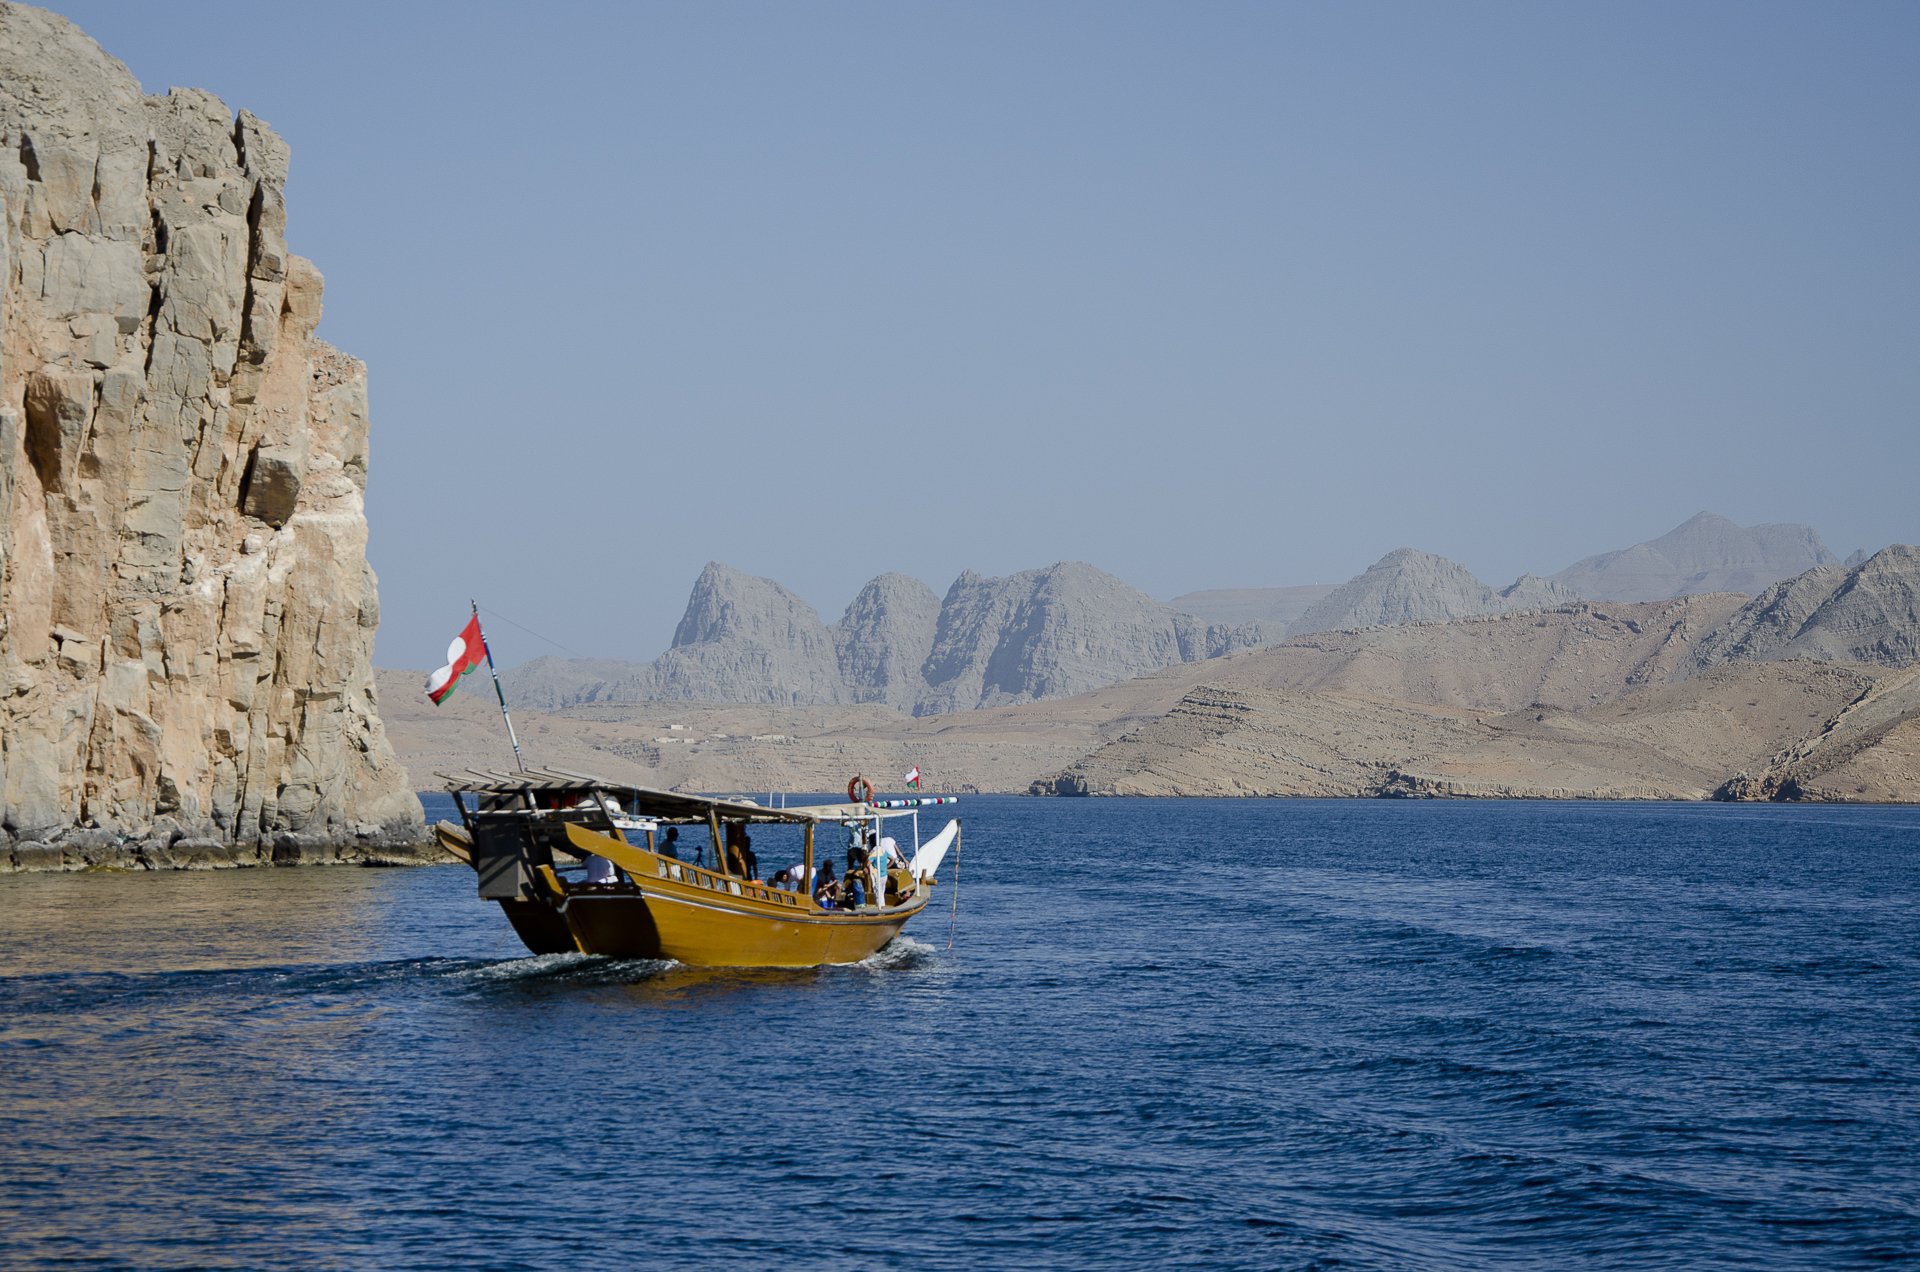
(857, 785)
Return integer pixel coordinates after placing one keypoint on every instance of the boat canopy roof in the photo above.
(644, 801)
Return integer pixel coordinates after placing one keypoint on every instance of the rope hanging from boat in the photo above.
(953, 920)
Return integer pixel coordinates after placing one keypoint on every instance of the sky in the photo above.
(1209, 295)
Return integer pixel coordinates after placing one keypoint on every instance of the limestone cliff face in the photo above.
(747, 639)
(884, 638)
(188, 616)
(1054, 632)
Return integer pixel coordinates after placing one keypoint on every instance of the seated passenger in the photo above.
(827, 891)
(670, 846)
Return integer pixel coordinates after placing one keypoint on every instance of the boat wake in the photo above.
(568, 969)
(899, 954)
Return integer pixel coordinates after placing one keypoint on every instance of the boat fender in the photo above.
(856, 787)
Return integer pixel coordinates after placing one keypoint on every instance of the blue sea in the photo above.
(1262, 1033)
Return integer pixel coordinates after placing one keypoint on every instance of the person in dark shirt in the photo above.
(670, 846)
(853, 885)
(827, 891)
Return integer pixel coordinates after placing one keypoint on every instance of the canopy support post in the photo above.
(806, 876)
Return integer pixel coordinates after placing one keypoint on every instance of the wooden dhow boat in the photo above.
(581, 865)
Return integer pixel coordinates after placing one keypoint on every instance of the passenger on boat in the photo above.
(827, 891)
(670, 846)
(883, 858)
(740, 858)
(853, 885)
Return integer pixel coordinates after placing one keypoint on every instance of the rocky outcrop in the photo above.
(188, 613)
(1404, 586)
(1531, 592)
(747, 639)
(1052, 633)
(884, 639)
(1868, 752)
(1868, 614)
(1706, 553)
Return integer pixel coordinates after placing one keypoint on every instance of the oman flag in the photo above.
(913, 779)
(463, 655)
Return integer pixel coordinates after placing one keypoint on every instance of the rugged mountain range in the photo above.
(1058, 631)
(1045, 633)
(1669, 699)
(1706, 553)
(1807, 691)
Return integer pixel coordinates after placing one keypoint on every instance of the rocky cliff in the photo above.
(187, 611)
(1706, 553)
(747, 639)
(883, 640)
(1051, 633)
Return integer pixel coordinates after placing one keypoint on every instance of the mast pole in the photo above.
(498, 692)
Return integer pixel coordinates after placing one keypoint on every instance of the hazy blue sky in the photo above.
(1207, 294)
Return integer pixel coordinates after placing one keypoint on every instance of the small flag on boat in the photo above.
(465, 653)
(913, 778)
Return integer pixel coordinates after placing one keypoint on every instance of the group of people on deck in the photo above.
(864, 882)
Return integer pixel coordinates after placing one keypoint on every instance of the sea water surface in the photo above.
(1261, 1033)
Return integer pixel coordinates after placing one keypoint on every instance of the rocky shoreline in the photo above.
(94, 849)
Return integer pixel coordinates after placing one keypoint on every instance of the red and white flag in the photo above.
(465, 653)
(913, 778)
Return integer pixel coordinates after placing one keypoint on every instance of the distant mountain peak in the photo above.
(1705, 553)
(1407, 585)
